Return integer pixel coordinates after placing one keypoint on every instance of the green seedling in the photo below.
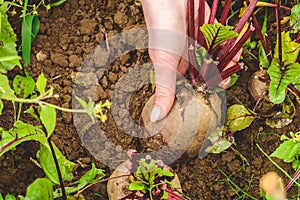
(57, 168)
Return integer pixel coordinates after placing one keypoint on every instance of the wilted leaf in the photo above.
(40, 189)
(280, 120)
(219, 142)
(239, 118)
(216, 34)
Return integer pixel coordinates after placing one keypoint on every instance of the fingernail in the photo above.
(155, 113)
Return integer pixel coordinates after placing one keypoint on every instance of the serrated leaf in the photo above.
(40, 189)
(23, 84)
(46, 160)
(41, 84)
(9, 56)
(216, 34)
(48, 118)
(295, 18)
(239, 118)
(287, 151)
(21, 132)
(280, 79)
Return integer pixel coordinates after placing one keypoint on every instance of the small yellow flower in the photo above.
(103, 118)
(2, 90)
(98, 108)
(107, 104)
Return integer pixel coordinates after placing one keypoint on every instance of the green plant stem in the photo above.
(61, 182)
(277, 2)
(274, 163)
(40, 102)
(235, 185)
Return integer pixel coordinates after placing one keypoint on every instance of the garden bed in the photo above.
(67, 36)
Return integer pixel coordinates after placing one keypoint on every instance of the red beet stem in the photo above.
(224, 74)
(226, 60)
(246, 16)
(295, 178)
(225, 12)
(278, 30)
(261, 37)
(191, 20)
(213, 12)
(201, 19)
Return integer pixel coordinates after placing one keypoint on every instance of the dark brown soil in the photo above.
(68, 34)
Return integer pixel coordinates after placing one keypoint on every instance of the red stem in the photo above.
(296, 176)
(226, 60)
(246, 16)
(225, 12)
(213, 12)
(261, 37)
(201, 20)
(224, 74)
(278, 31)
(298, 38)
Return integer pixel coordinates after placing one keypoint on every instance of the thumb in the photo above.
(164, 100)
(165, 81)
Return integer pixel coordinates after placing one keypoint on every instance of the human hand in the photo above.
(167, 27)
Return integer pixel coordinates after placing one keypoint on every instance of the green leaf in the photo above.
(295, 18)
(40, 189)
(137, 186)
(5, 90)
(287, 151)
(280, 79)
(48, 118)
(234, 77)
(219, 142)
(165, 195)
(21, 132)
(41, 84)
(58, 3)
(1, 106)
(30, 29)
(161, 172)
(9, 56)
(9, 197)
(290, 49)
(239, 118)
(46, 160)
(216, 34)
(23, 84)
(91, 176)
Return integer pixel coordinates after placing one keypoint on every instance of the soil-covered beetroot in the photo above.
(190, 120)
(117, 186)
(257, 87)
